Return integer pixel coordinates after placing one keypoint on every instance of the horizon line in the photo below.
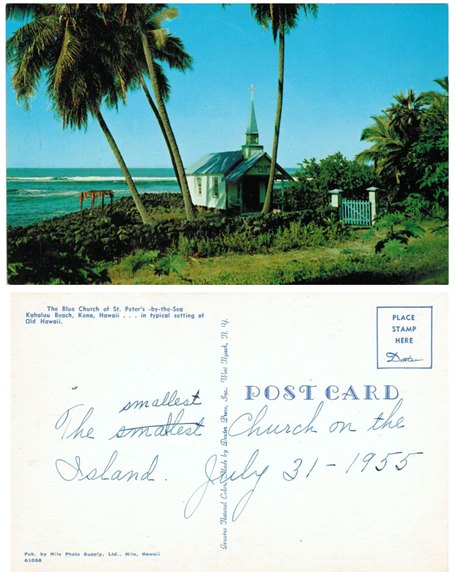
(118, 168)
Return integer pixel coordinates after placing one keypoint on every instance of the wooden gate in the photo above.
(356, 212)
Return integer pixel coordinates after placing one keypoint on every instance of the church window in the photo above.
(215, 187)
(199, 185)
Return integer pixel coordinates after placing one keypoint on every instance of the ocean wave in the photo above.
(92, 179)
(48, 194)
(9, 178)
(17, 194)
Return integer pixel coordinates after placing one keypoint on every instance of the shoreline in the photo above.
(75, 196)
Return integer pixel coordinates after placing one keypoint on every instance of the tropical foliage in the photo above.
(409, 149)
(59, 42)
(141, 26)
(315, 179)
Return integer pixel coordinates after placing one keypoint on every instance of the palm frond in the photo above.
(163, 82)
(158, 37)
(165, 14)
(443, 83)
(172, 52)
(25, 11)
(69, 55)
(281, 16)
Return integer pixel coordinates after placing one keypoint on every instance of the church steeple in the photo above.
(252, 133)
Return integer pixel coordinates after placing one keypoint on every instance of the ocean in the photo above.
(34, 195)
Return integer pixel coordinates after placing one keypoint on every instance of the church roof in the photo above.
(241, 169)
(216, 163)
(231, 164)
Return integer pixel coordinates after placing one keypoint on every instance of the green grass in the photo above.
(423, 261)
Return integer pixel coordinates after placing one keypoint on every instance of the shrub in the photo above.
(393, 248)
(206, 247)
(264, 242)
(187, 246)
(416, 206)
(399, 229)
(141, 259)
(170, 263)
(57, 268)
(334, 229)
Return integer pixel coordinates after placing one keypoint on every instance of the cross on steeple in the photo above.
(252, 125)
(251, 89)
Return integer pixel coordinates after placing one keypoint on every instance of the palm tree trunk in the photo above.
(277, 124)
(161, 125)
(189, 207)
(124, 169)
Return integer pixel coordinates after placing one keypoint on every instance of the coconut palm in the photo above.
(155, 110)
(59, 43)
(281, 18)
(143, 23)
(406, 115)
(174, 55)
(387, 150)
(171, 52)
(409, 144)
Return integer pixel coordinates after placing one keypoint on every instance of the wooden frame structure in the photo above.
(93, 195)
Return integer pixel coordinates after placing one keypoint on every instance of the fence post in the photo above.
(336, 198)
(373, 202)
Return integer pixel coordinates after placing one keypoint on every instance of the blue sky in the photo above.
(341, 68)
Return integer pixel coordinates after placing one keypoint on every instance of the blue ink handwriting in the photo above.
(394, 357)
(381, 423)
(72, 470)
(171, 428)
(247, 424)
(169, 400)
(80, 431)
(246, 473)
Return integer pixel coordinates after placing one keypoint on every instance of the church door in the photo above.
(251, 194)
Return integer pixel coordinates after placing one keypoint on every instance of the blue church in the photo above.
(234, 180)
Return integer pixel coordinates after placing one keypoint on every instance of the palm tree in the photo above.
(387, 150)
(409, 144)
(172, 53)
(144, 21)
(175, 56)
(59, 42)
(406, 115)
(155, 110)
(281, 18)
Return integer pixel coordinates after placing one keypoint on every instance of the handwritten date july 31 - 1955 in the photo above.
(251, 472)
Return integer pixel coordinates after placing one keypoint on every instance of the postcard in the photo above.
(234, 431)
(181, 427)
